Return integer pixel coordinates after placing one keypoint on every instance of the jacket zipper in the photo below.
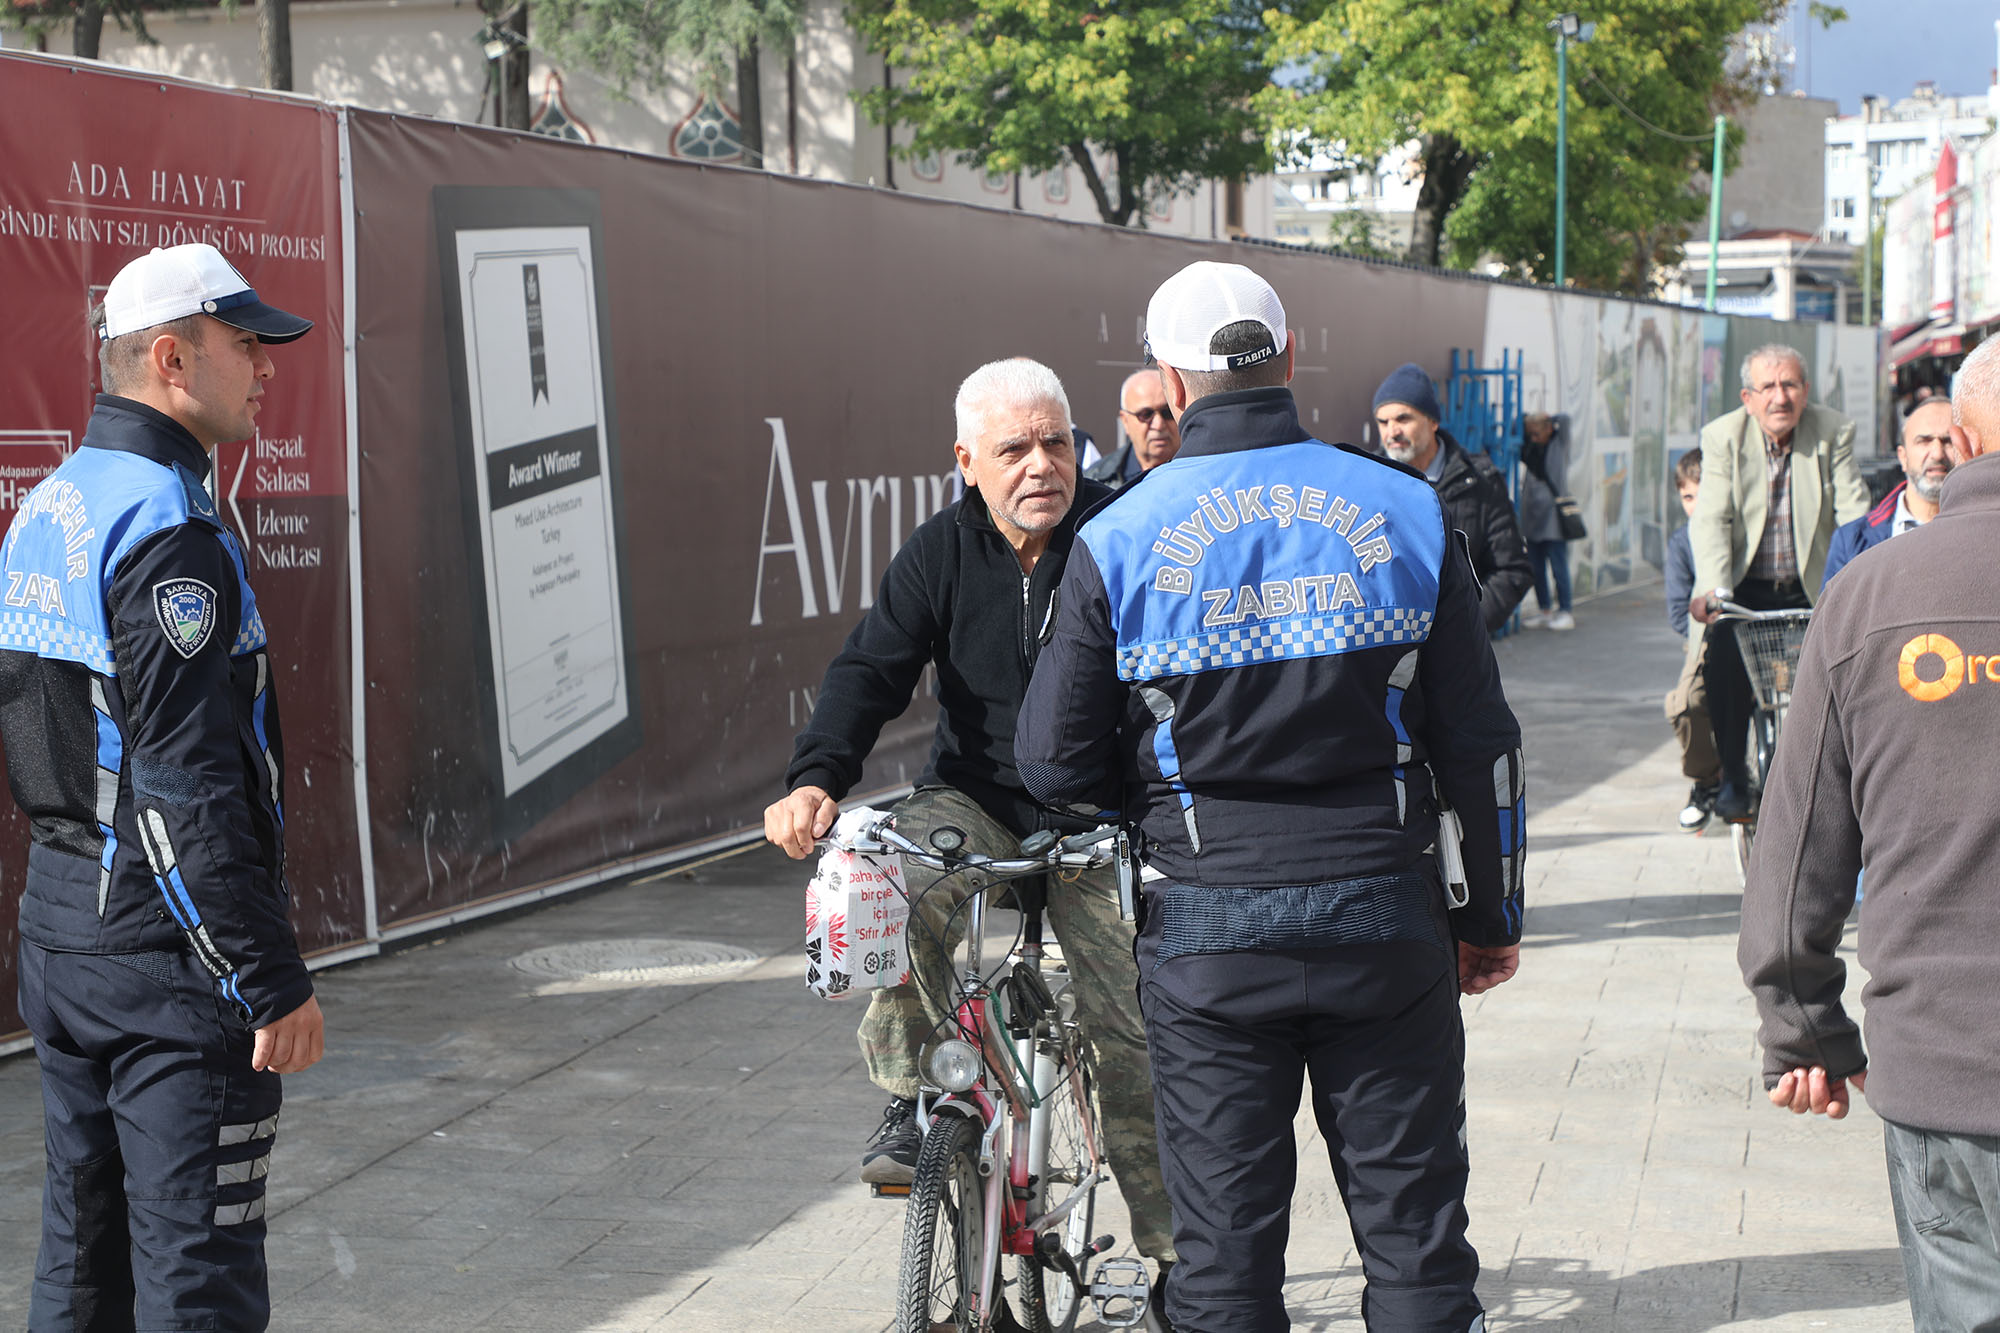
(1028, 621)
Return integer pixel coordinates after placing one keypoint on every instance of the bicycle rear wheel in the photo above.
(1050, 1299)
(943, 1232)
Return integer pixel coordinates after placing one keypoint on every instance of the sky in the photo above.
(1886, 46)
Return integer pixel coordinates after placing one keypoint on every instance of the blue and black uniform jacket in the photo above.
(137, 711)
(1264, 652)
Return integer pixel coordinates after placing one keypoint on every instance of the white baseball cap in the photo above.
(1184, 316)
(191, 280)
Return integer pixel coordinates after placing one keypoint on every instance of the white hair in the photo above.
(1977, 382)
(996, 386)
(1772, 352)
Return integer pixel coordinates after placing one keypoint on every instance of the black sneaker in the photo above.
(1701, 804)
(1732, 802)
(891, 1157)
(1157, 1306)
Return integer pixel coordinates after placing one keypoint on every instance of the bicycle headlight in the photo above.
(952, 1065)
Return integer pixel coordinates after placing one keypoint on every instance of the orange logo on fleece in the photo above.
(1956, 669)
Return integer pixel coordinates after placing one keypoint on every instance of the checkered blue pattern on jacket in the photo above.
(46, 636)
(250, 634)
(1272, 641)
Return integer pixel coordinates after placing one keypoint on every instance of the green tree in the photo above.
(1473, 84)
(1160, 88)
(1357, 231)
(632, 43)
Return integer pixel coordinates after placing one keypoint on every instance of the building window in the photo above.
(711, 133)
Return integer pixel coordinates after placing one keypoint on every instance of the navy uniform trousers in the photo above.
(1232, 1036)
(159, 1138)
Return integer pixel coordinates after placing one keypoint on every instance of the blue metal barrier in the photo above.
(1482, 410)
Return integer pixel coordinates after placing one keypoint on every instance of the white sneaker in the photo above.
(1562, 620)
(1534, 620)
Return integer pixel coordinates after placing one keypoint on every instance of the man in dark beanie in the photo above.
(1474, 495)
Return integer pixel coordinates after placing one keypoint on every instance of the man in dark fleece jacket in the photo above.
(1892, 722)
(972, 592)
(1474, 493)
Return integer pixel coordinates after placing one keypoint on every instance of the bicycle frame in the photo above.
(1010, 1167)
(1029, 1060)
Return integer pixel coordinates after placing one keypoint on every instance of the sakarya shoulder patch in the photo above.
(186, 608)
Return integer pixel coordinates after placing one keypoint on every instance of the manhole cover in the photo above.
(621, 964)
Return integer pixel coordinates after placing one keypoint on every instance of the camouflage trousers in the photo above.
(1096, 945)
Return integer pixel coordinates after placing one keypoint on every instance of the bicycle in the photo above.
(1769, 643)
(1011, 1156)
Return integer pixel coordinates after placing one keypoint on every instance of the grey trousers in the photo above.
(1946, 1189)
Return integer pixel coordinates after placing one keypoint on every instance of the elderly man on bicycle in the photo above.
(972, 593)
(1778, 476)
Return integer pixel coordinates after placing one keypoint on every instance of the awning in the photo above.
(1931, 340)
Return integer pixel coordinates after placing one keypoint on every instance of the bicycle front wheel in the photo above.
(943, 1232)
(1740, 838)
(1050, 1299)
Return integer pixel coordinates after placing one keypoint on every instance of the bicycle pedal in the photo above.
(881, 1191)
(1121, 1291)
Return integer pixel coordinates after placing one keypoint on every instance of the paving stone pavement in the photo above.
(488, 1149)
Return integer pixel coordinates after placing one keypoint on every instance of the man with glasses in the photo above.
(1925, 456)
(1151, 436)
(1778, 476)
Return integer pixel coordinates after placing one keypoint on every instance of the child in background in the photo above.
(1687, 702)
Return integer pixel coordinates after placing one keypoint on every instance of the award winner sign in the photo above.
(525, 321)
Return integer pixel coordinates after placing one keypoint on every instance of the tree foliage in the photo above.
(1163, 89)
(37, 18)
(1473, 82)
(634, 44)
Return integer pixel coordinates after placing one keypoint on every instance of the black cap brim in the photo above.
(269, 323)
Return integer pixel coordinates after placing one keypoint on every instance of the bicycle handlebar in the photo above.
(1079, 851)
(1725, 610)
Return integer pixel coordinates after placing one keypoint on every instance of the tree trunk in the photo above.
(274, 42)
(87, 32)
(792, 108)
(750, 103)
(1447, 169)
(514, 67)
(1120, 213)
(1129, 202)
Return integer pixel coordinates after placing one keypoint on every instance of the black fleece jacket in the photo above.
(954, 596)
(1475, 500)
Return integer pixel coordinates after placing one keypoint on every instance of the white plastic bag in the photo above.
(857, 916)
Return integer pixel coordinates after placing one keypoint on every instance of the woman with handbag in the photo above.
(1550, 519)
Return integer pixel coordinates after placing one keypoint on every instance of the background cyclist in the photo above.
(1778, 475)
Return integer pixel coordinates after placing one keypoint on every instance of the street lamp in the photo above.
(498, 42)
(1714, 213)
(1564, 26)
